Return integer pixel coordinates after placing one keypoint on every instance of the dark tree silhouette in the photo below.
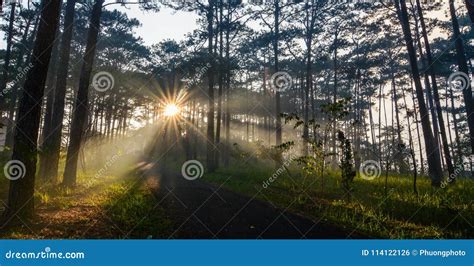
(432, 152)
(211, 165)
(52, 142)
(463, 67)
(82, 100)
(20, 200)
(6, 64)
(434, 83)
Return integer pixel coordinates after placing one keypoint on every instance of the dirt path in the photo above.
(202, 210)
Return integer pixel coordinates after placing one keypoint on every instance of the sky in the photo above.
(162, 25)
(156, 26)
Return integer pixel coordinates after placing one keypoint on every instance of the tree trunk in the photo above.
(333, 139)
(309, 83)
(210, 75)
(309, 21)
(15, 89)
(49, 91)
(276, 37)
(456, 127)
(412, 147)
(434, 161)
(439, 111)
(220, 90)
(82, 99)
(470, 9)
(227, 92)
(429, 95)
(462, 63)
(6, 65)
(20, 200)
(418, 135)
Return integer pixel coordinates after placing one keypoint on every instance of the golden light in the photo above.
(171, 109)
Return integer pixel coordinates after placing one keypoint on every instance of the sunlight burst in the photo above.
(171, 109)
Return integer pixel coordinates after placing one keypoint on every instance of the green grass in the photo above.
(133, 208)
(434, 213)
(118, 206)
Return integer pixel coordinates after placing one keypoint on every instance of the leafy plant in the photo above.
(347, 167)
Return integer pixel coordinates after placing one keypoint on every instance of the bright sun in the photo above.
(171, 109)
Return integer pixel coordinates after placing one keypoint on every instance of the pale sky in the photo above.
(156, 26)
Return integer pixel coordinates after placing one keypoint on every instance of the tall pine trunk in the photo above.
(429, 95)
(227, 92)
(48, 113)
(433, 156)
(15, 89)
(470, 9)
(434, 84)
(52, 144)
(463, 67)
(220, 89)
(276, 37)
(6, 64)
(20, 197)
(210, 75)
(81, 104)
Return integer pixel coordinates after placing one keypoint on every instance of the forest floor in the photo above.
(233, 203)
(106, 208)
(204, 211)
(394, 212)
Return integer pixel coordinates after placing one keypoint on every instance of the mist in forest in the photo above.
(148, 117)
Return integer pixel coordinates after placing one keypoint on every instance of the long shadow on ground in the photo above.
(203, 211)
